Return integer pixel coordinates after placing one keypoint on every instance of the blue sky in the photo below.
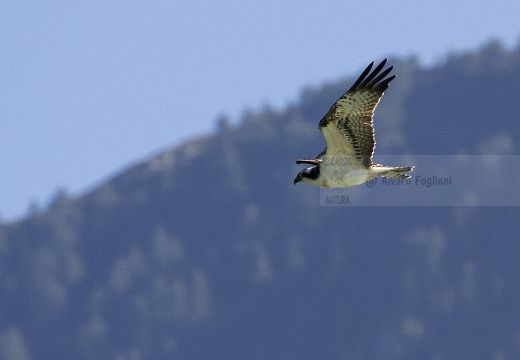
(87, 88)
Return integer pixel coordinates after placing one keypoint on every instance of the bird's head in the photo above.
(308, 175)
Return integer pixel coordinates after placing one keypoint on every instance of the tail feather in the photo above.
(395, 172)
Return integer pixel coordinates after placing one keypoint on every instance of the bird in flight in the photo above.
(349, 135)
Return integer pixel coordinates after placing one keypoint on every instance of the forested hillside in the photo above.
(208, 251)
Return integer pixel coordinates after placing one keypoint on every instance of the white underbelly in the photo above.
(338, 176)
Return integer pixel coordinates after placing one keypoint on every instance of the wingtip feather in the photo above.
(362, 76)
(372, 79)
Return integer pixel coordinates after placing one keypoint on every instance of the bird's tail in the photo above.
(394, 171)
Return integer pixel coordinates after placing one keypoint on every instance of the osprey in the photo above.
(349, 135)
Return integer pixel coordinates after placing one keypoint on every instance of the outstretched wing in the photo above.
(347, 127)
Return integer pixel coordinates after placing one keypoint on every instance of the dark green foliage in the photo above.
(209, 251)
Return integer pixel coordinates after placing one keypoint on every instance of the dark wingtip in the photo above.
(362, 76)
(383, 85)
(372, 79)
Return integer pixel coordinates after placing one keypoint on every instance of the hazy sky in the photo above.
(88, 88)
